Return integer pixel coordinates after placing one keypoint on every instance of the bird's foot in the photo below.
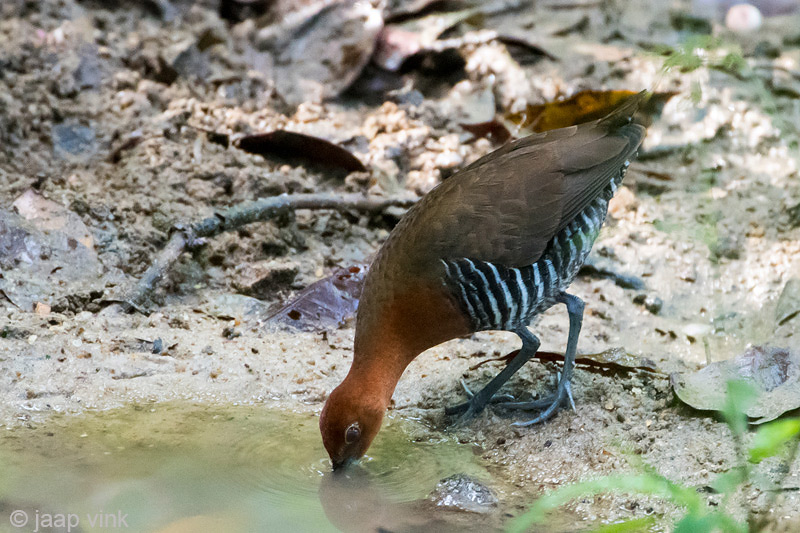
(550, 404)
(476, 403)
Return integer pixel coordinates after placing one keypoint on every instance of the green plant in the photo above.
(770, 440)
(703, 51)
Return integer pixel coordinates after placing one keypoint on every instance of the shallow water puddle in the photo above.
(182, 468)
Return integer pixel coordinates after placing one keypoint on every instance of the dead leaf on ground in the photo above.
(44, 260)
(774, 372)
(300, 147)
(491, 129)
(583, 107)
(47, 215)
(400, 42)
(395, 46)
(789, 302)
(400, 10)
(318, 52)
(323, 305)
(239, 10)
(523, 50)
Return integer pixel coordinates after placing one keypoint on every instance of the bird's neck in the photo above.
(377, 376)
(381, 355)
(394, 329)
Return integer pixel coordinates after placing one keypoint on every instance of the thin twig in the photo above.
(235, 217)
(626, 281)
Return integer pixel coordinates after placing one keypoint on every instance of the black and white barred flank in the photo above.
(503, 298)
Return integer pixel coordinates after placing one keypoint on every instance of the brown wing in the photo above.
(506, 206)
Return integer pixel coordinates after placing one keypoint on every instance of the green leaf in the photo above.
(740, 396)
(637, 524)
(727, 482)
(649, 484)
(685, 61)
(733, 63)
(771, 437)
(697, 93)
(696, 523)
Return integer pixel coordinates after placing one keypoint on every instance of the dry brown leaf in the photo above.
(774, 372)
(324, 304)
(41, 263)
(47, 215)
(298, 146)
(583, 107)
(318, 52)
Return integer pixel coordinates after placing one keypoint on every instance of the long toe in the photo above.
(533, 405)
(457, 409)
(545, 415)
(550, 404)
(473, 404)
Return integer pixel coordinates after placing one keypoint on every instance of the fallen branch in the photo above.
(184, 237)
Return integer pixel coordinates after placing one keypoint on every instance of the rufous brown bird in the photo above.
(488, 249)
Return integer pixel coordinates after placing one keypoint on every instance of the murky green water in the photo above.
(177, 468)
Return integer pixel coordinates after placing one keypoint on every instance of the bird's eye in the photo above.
(353, 433)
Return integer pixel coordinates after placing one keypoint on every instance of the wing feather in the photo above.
(506, 206)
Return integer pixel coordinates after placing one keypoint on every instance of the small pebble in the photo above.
(73, 139)
(743, 18)
(463, 492)
(650, 302)
(158, 346)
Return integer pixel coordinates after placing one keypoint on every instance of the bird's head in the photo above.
(349, 421)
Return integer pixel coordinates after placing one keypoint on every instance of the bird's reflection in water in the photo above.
(355, 502)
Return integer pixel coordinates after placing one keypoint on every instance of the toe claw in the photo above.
(503, 398)
(568, 388)
(468, 392)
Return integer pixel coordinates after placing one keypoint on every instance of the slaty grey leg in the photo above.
(479, 400)
(551, 403)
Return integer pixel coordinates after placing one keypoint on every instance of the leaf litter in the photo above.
(46, 253)
(774, 372)
(324, 304)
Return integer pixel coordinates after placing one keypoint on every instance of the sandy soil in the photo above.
(707, 225)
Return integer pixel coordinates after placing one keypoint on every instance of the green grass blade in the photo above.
(771, 437)
(649, 484)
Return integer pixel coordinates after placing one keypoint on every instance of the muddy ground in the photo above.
(708, 220)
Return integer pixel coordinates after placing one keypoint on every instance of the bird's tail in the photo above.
(625, 112)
